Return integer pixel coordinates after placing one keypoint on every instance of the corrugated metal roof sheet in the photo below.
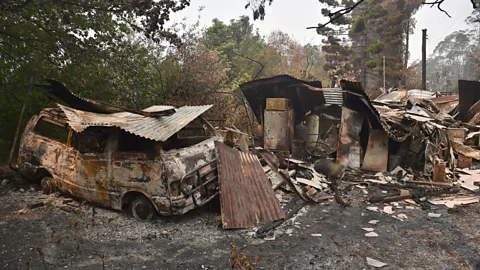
(358, 100)
(333, 96)
(445, 99)
(153, 128)
(246, 196)
(420, 94)
(392, 97)
(446, 103)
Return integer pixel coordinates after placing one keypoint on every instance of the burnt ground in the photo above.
(51, 231)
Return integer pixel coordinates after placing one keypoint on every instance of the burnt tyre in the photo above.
(48, 187)
(141, 208)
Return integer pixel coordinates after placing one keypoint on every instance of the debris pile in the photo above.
(314, 142)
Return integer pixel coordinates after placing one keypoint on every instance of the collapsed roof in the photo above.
(307, 95)
(283, 86)
(158, 122)
(159, 128)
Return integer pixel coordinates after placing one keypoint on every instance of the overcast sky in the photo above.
(294, 16)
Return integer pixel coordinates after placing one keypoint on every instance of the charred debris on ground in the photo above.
(312, 144)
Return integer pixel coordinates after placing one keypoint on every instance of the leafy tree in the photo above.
(76, 42)
(239, 45)
(455, 57)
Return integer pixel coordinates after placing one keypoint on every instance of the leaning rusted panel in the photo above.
(350, 127)
(356, 99)
(376, 155)
(153, 128)
(246, 197)
(469, 94)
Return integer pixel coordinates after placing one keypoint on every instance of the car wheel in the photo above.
(47, 185)
(141, 208)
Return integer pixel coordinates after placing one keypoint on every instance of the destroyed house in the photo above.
(412, 129)
(306, 119)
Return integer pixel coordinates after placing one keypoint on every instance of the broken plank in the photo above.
(309, 183)
(451, 202)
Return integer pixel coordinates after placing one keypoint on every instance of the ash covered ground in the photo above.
(40, 231)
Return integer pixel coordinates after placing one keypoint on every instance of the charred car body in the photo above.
(137, 162)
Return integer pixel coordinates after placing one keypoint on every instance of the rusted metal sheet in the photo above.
(473, 114)
(465, 150)
(356, 99)
(464, 162)
(469, 94)
(446, 104)
(376, 155)
(350, 127)
(457, 134)
(278, 104)
(246, 197)
(153, 128)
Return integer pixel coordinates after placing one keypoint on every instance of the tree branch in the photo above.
(337, 14)
(474, 4)
(438, 3)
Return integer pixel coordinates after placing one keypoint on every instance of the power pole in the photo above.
(407, 40)
(364, 68)
(424, 59)
(384, 85)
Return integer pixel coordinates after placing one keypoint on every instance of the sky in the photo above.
(294, 16)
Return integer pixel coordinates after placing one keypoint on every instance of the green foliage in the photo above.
(375, 48)
(81, 43)
(371, 63)
(456, 57)
(359, 25)
(236, 42)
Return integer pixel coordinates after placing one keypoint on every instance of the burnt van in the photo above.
(142, 164)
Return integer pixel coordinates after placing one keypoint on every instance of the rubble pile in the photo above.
(407, 146)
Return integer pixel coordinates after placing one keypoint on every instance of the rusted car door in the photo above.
(47, 148)
(93, 165)
(136, 166)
